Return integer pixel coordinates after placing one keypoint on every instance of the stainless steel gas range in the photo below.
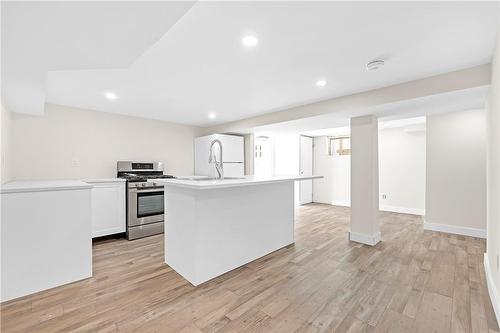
(145, 200)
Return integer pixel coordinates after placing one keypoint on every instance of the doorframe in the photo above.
(312, 165)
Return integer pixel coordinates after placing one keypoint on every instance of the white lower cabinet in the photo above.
(108, 208)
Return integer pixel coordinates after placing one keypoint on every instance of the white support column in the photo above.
(364, 180)
(249, 147)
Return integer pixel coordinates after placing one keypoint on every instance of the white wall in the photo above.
(456, 172)
(334, 188)
(402, 169)
(286, 154)
(286, 158)
(401, 172)
(44, 147)
(6, 145)
(493, 179)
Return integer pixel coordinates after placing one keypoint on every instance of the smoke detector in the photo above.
(375, 64)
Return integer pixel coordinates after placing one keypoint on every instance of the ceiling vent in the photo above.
(375, 64)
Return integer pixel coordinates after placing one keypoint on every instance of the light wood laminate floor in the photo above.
(413, 281)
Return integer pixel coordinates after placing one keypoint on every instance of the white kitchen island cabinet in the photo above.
(45, 235)
(214, 226)
(108, 206)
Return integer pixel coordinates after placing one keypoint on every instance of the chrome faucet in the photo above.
(213, 159)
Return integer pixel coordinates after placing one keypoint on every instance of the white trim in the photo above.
(322, 202)
(341, 203)
(364, 239)
(403, 210)
(453, 229)
(492, 290)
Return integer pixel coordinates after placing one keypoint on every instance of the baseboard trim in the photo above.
(341, 203)
(394, 209)
(403, 210)
(322, 202)
(364, 239)
(492, 290)
(453, 229)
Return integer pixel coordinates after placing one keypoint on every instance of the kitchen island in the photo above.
(214, 226)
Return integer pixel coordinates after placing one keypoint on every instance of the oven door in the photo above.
(145, 206)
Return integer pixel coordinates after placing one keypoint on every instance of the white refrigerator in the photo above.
(233, 155)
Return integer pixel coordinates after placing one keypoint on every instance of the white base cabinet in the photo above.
(108, 207)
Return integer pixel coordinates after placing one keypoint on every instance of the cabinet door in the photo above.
(108, 209)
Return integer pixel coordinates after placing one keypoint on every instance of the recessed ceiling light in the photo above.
(321, 83)
(250, 41)
(110, 95)
(211, 115)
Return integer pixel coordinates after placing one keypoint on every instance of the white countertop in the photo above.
(43, 185)
(206, 184)
(104, 180)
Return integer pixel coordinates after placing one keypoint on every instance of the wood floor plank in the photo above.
(461, 316)
(394, 322)
(434, 314)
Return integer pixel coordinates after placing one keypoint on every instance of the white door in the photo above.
(306, 169)
(262, 157)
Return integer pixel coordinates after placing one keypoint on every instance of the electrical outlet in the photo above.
(75, 162)
(384, 196)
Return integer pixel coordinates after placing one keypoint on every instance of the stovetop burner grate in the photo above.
(142, 177)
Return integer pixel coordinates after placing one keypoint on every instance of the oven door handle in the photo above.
(157, 189)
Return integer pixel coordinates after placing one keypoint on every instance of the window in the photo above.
(339, 145)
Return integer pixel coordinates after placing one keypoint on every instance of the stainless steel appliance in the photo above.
(145, 200)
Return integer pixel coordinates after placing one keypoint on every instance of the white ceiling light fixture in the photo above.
(321, 83)
(375, 64)
(250, 41)
(110, 95)
(211, 115)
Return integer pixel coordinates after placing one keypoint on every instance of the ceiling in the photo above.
(177, 61)
(39, 37)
